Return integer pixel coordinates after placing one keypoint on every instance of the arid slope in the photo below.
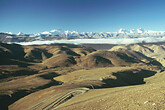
(71, 77)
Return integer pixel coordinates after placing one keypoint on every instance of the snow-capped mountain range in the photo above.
(58, 34)
(120, 33)
(139, 31)
(123, 31)
(132, 31)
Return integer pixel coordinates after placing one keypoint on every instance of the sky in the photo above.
(34, 16)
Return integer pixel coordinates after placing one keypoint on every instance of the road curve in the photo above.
(43, 102)
(66, 97)
(61, 100)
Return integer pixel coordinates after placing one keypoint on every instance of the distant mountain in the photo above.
(58, 34)
(9, 33)
(140, 30)
(20, 33)
(120, 33)
(52, 32)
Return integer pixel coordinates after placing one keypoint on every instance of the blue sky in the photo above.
(34, 16)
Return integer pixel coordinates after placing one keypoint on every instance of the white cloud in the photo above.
(98, 41)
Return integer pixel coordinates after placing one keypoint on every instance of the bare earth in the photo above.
(71, 77)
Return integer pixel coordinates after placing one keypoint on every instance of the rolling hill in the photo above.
(66, 76)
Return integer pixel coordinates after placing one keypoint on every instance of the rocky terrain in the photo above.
(71, 77)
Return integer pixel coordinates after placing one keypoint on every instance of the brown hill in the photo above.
(70, 55)
(36, 77)
(60, 61)
(148, 53)
(57, 55)
(107, 58)
(12, 54)
(36, 54)
(100, 95)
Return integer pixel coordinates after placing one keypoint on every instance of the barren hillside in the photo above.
(71, 77)
(154, 51)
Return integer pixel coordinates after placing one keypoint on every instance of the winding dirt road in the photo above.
(61, 100)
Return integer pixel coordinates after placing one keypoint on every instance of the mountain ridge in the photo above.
(122, 36)
(67, 33)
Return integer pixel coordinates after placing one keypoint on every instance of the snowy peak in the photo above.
(52, 32)
(122, 30)
(131, 31)
(71, 33)
(140, 30)
(121, 33)
(9, 33)
(56, 32)
(59, 32)
(45, 32)
(20, 33)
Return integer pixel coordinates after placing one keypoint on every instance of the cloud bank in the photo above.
(98, 41)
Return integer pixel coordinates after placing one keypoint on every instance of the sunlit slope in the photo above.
(73, 76)
(140, 97)
(154, 51)
(101, 95)
(106, 77)
(149, 97)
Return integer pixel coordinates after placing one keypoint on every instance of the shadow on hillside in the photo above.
(127, 58)
(152, 60)
(50, 75)
(8, 61)
(37, 55)
(126, 78)
(17, 51)
(6, 100)
(9, 74)
(69, 51)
